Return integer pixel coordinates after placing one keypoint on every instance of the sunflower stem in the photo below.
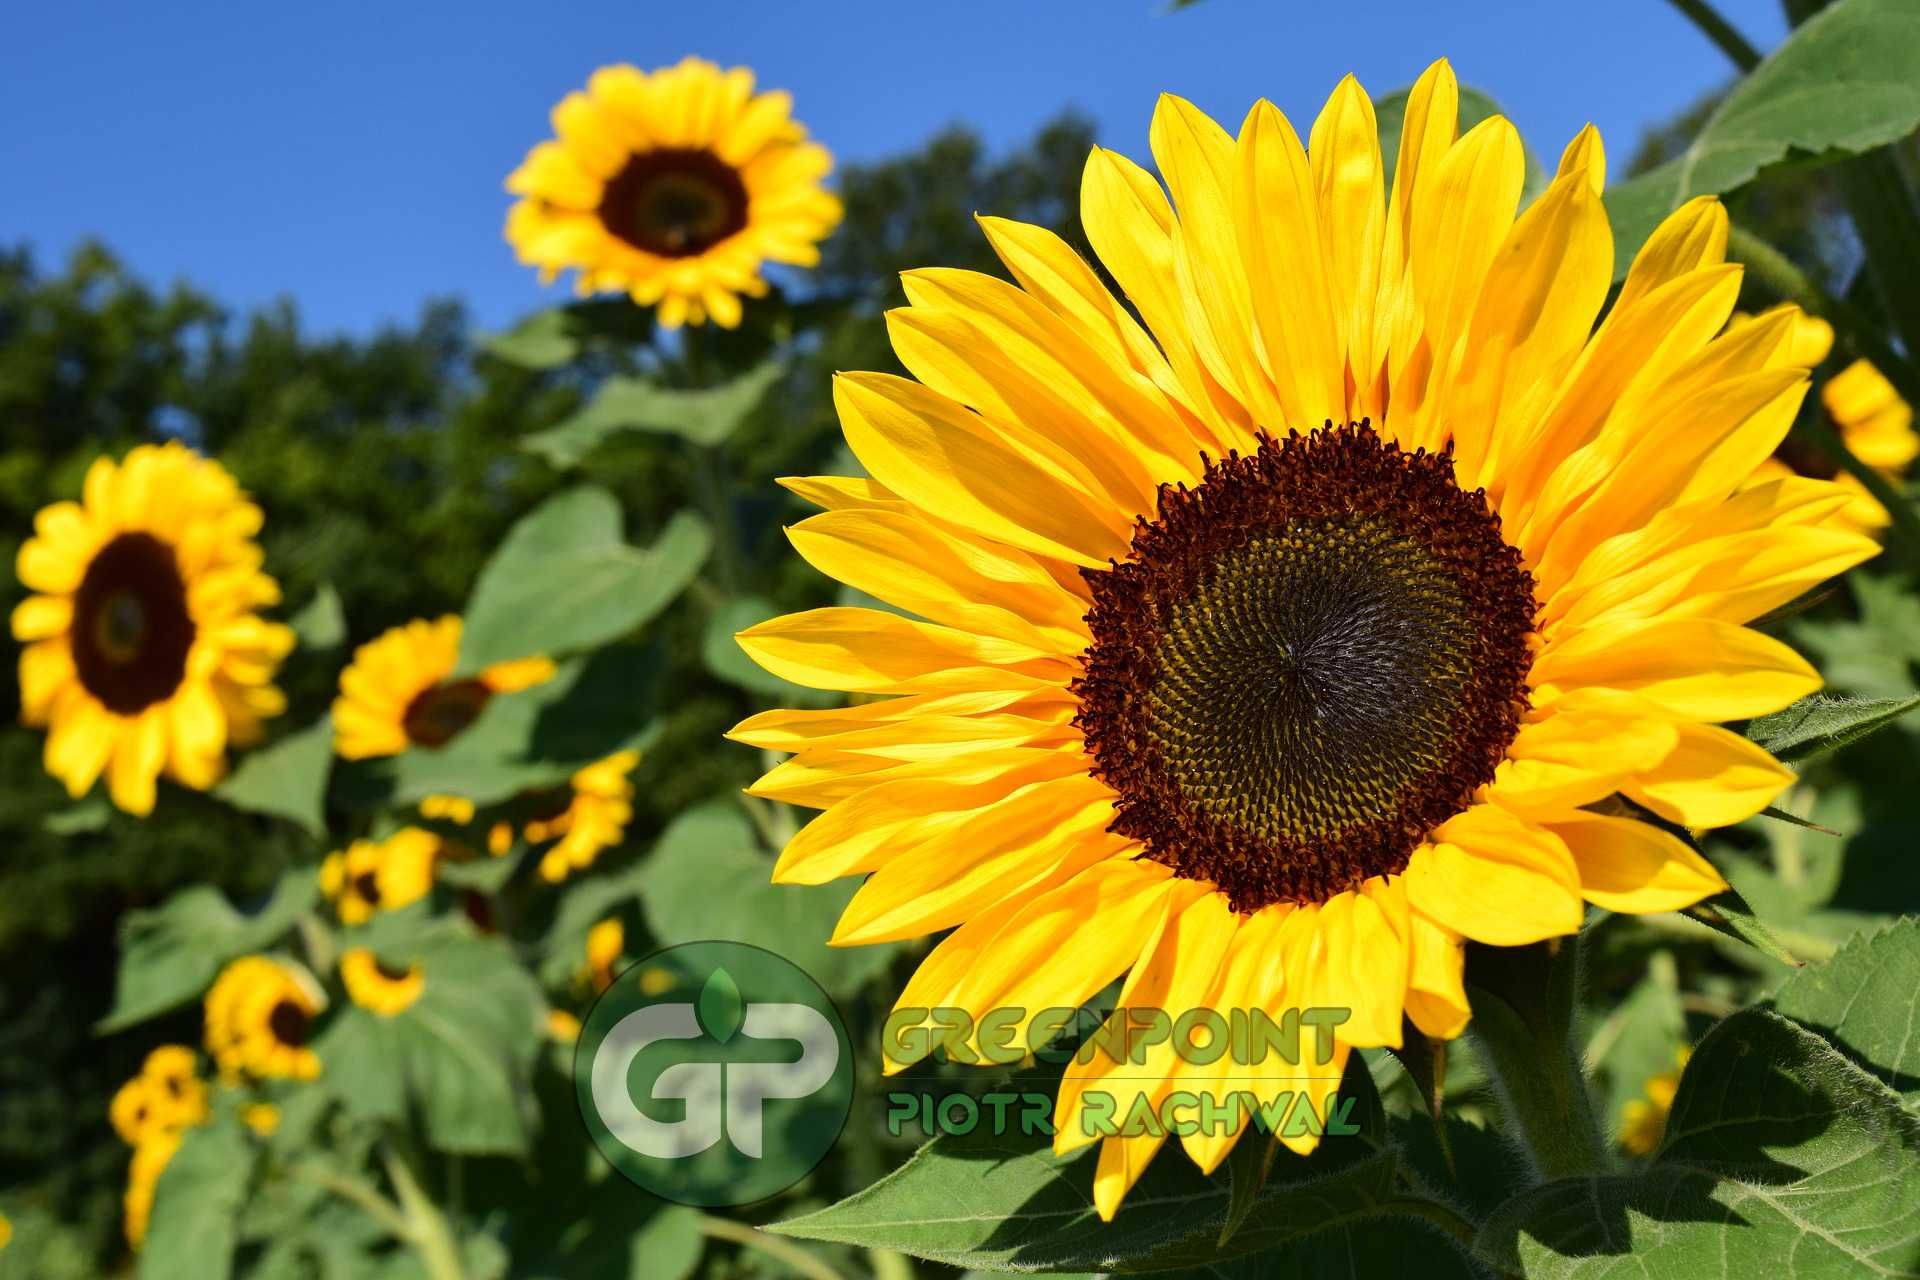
(428, 1231)
(709, 472)
(796, 1258)
(1524, 1000)
(1723, 33)
(1779, 274)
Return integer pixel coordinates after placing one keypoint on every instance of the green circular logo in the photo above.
(714, 1073)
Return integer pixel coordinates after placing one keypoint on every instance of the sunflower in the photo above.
(377, 986)
(144, 651)
(167, 1096)
(1874, 422)
(606, 943)
(673, 186)
(1368, 593)
(150, 1160)
(395, 693)
(1643, 1121)
(371, 876)
(588, 817)
(262, 1118)
(259, 1017)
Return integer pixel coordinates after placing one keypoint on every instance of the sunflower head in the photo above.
(373, 984)
(371, 876)
(398, 691)
(674, 186)
(606, 943)
(167, 1096)
(1261, 639)
(261, 1118)
(145, 652)
(259, 1019)
(586, 818)
(1643, 1121)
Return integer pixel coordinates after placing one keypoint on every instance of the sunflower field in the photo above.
(1279, 698)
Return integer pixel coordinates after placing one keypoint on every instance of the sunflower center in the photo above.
(289, 1023)
(675, 202)
(1306, 663)
(390, 972)
(366, 887)
(438, 715)
(131, 628)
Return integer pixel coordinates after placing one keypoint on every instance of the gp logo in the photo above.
(714, 1073)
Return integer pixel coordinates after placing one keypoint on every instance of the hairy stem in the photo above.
(1720, 31)
(773, 1246)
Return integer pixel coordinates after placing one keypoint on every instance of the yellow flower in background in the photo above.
(606, 943)
(371, 876)
(6, 1231)
(1643, 1121)
(150, 1160)
(378, 987)
(1268, 720)
(597, 805)
(562, 1026)
(167, 1096)
(262, 1118)
(145, 653)
(259, 1017)
(1873, 421)
(675, 187)
(396, 693)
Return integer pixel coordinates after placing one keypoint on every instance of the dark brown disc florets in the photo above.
(1307, 662)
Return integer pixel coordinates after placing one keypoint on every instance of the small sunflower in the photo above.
(375, 985)
(1874, 422)
(675, 187)
(259, 1017)
(395, 693)
(562, 1027)
(371, 876)
(145, 653)
(262, 1118)
(1643, 1121)
(167, 1096)
(606, 943)
(590, 816)
(1307, 616)
(150, 1160)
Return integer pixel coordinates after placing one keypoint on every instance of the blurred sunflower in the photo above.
(1263, 719)
(606, 943)
(150, 1160)
(167, 1096)
(379, 987)
(674, 186)
(144, 651)
(371, 876)
(263, 1118)
(1643, 1121)
(395, 693)
(259, 1017)
(586, 817)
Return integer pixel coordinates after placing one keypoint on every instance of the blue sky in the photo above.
(351, 155)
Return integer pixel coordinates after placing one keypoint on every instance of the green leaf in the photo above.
(591, 708)
(1782, 1159)
(542, 341)
(1004, 1203)
(458, 1059)
(196, 1206)
(565, 579)
(1818, 725)
(705, 417)
(1641, 1036)
(170, 954)
(321, 623)
(1390, 111)
(90, 815)
(719, 1008)
(709, 878)
(287, 779)
(725, 659)
(1841, 84)
(1728, 913)
(1866, 999)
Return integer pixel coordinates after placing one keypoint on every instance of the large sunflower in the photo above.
(1374, 594)
(144, 651)
(259, 1019)
(674, 186)
(395, 693)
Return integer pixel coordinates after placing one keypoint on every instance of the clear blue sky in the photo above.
(351, 155)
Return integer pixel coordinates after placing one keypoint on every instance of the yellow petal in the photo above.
(1436, 979)
(1632, 867)
(1714, 778)
(1689, 667)
(1496, 878)
(137, 760)
(873, 651)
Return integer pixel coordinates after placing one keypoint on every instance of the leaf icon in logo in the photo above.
(719, 1007)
